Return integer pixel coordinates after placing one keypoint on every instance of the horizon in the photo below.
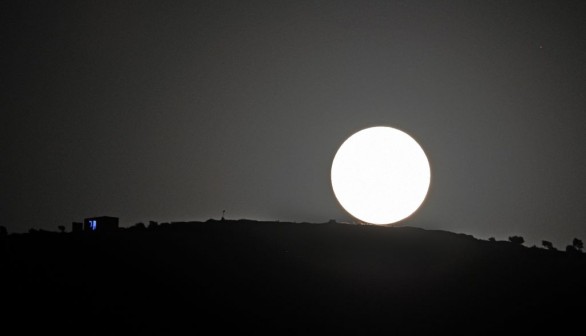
(559, 246)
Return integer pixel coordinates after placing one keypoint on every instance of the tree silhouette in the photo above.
(548, 245)
(571, 249)
(491, 239)
(3, 231)
(61, 228)
(518, 240)
(577, 244)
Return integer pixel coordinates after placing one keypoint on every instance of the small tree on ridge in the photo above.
(518, 240)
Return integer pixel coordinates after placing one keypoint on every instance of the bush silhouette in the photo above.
(548, 245)
(577, 244)
(61, 228)
(518, 240)
(571, 249)
(491, 239)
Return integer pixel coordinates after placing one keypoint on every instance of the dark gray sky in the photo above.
(174, 110)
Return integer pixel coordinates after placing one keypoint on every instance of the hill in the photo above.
(284, 278)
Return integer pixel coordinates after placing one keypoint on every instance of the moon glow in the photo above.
(380, 175)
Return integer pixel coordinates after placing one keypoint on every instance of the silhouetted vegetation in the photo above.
(61, 228)
(491, 239)
(576, 247)
(3, 231)
(548, 245)
(518, 240)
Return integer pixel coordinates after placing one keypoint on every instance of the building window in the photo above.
(93, 225)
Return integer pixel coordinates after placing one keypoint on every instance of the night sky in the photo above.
(175, 111)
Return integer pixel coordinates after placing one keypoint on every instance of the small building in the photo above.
(103, 223)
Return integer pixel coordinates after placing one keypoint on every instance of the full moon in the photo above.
(380, 175)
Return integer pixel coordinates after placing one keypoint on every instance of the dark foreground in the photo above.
(246, 277)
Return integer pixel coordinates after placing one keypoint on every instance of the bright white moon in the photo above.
(380, 175)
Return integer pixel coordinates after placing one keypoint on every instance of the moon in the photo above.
(380, 175)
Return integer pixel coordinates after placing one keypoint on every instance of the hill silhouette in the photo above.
(284, 278)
